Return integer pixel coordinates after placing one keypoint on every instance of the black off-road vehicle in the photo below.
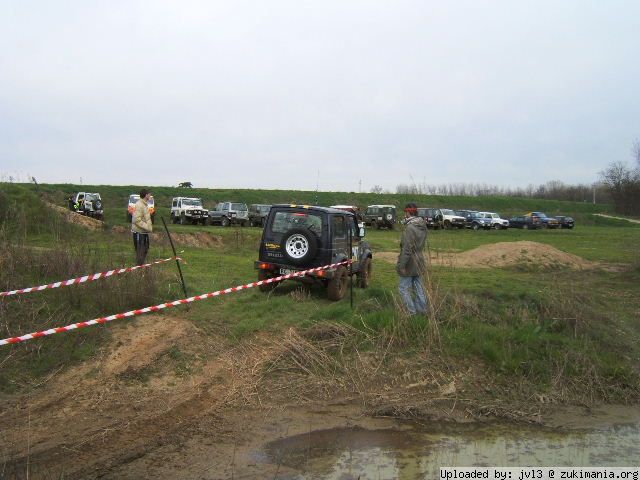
(433, 217)
(299, 237)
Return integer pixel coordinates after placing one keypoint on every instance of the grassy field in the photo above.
(555, 331)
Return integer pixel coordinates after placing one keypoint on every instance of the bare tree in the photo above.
(624, 186)
(376, 189)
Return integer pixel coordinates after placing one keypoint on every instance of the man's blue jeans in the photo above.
(413, 295)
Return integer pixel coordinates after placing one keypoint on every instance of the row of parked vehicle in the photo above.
(385, 216)
(446, 218)
(189, 210)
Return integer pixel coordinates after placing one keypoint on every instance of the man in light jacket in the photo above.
(141, 226)
(411, 262)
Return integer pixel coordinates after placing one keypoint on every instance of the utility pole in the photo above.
(360, 186)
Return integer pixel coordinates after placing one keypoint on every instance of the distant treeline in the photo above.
(552, 190)
(619, 185)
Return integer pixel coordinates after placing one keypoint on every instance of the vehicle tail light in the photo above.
(321, 273)
(265, 266)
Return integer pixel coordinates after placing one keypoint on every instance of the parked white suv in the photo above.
(188, 210)
(451, 219)
(496, 222)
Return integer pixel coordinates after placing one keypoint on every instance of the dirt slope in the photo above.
(76, 218)
(115, 407)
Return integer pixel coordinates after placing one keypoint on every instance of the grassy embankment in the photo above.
(561, 333)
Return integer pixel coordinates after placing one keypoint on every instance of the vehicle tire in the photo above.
(447, 225)
(337, 286)
(266, 287)
(174, 219)
(525, 226)
(183, 219)
(225, 222)
(497, 226)
(299, 245)
(364, 275)
(545, 226)
(374, 225)
(475, 226)
(262, 220)
(203, 221)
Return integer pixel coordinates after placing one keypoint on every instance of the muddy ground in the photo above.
(165, 401)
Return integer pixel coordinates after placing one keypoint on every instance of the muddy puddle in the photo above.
(417, 451)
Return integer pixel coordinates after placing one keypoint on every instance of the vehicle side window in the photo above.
(339, 227)
(354, 227)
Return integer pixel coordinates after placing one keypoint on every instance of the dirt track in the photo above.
(617, 218)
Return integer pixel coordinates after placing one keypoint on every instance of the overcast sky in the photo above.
(293, 94)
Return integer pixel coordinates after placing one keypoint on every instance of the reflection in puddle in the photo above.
(419, 452)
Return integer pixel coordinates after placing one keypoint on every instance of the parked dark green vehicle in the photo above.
(380, 216)
(258, 214)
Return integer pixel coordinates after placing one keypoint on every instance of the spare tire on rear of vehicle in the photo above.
(97, 204)
(299, 245)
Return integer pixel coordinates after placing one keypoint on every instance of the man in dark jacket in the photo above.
(411, 262)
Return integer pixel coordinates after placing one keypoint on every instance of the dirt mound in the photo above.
(505, 254)
(195, 239)
(76, 218)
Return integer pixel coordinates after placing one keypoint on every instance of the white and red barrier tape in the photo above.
(155, 308)
(86, 278)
